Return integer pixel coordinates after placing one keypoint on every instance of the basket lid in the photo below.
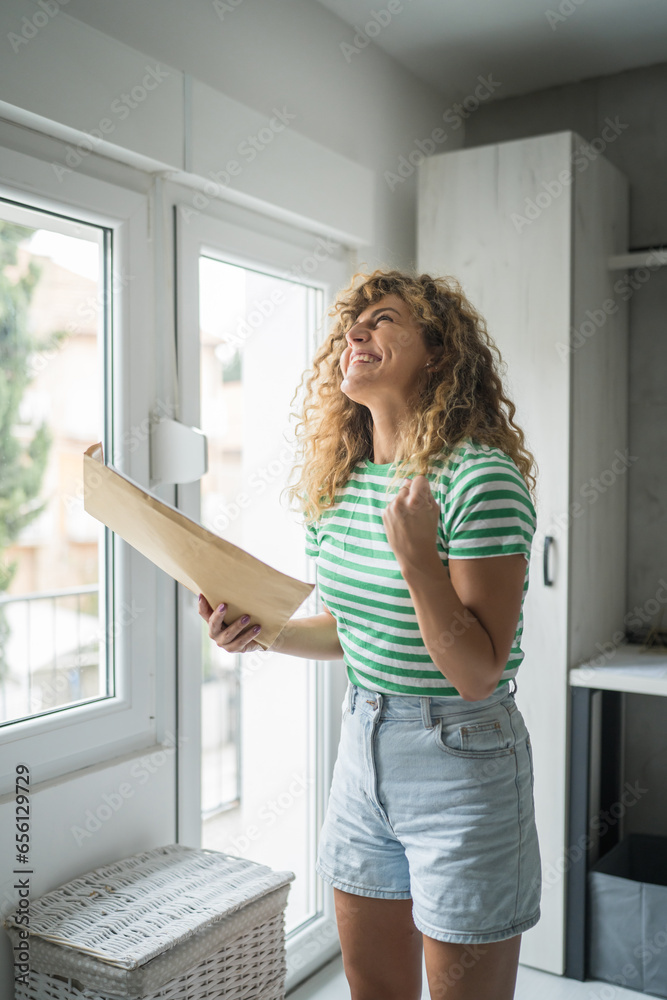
(127, 912)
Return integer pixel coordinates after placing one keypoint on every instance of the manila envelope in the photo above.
(200, 560)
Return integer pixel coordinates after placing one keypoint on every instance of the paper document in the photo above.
(200, 560)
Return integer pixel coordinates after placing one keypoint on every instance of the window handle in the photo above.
(178, 453)
(548, 541)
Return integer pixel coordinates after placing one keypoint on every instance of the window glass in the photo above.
(259, 756)
(53, 321)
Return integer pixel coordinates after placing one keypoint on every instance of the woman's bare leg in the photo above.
(472, 971)
(382, 948)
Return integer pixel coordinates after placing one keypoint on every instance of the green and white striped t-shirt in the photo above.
(486, 510)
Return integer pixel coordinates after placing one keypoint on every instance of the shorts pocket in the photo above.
(484, 738)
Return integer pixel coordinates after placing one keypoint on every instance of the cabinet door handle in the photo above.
(548, 540)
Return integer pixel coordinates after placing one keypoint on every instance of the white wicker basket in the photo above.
(174, 923)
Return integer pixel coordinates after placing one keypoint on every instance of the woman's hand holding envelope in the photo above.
(315, 637)
(234, 638)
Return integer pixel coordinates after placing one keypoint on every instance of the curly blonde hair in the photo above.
(460, 395)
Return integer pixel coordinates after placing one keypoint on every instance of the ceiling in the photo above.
(525, 45)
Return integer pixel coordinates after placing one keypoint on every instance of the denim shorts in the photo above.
(432, 800)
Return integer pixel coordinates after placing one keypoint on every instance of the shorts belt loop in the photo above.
(426, 711)
(351, 696)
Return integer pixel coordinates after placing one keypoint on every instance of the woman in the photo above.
(429, 839)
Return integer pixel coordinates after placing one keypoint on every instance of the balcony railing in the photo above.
(49, 651)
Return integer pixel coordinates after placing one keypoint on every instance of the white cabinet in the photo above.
(527, 227)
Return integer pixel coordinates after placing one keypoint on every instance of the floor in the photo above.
(330, 984)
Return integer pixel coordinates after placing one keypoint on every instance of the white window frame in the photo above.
(64, 741)
(239, 236)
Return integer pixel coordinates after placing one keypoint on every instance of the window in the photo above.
(54, 604)
(101, 364)
(258, 764)
(76, 665)
(254, 782)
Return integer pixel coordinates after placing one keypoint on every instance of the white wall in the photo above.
(266, 53)
(354, 116)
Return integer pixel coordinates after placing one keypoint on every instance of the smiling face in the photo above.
(385, 354)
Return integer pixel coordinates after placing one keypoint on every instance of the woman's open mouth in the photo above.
(365, 359)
